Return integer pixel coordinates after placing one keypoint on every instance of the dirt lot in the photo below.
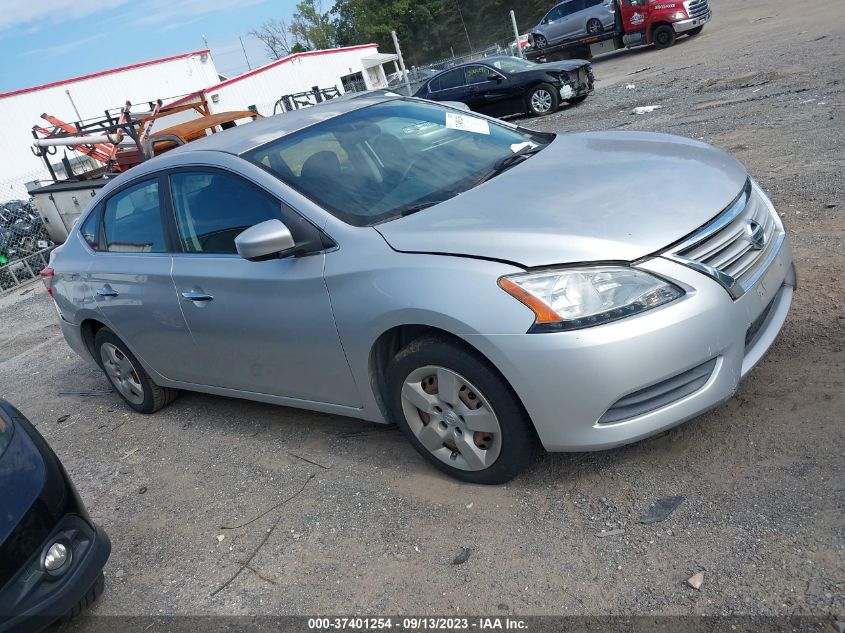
(376, 529)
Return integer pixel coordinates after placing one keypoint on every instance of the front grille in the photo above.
(736, 246)
(697, 8)
(659, 395)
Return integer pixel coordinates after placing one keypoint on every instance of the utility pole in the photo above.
(401, 62)
(516, 35)
(460, 13)
(243, 48)
(205, 41)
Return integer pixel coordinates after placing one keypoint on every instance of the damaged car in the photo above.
(505, 86)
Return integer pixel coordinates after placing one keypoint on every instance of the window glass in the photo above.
(555, 14)
(132, 220)
(90, 230)
(575, 6)
(452, 79)
(594, 3)
(403, 155)
(512, 64)
(477, 74)
(212, 208)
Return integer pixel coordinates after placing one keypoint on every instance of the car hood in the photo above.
(604, 196)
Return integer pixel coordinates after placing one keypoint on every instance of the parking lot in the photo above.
(359, 523)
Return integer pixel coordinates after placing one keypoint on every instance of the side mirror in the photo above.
(494, 77)
(266, 240)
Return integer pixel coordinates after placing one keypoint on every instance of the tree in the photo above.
(312, 27)
(274, 34)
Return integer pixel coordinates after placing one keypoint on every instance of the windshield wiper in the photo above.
(504, 163)
(413, 208)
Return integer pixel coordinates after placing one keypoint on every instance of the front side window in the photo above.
(132, 220)
(555, 14)
(397, 157)
(477, 74)
(212, 208)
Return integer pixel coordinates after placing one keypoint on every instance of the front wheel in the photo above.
(663, 36)
(459, 413)
(127, 376)
(542, 100)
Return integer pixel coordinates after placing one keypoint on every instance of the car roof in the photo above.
(243, 138)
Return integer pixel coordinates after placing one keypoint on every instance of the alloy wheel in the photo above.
(451, 418)
(541, 101)
(122, 373)
(594, 27)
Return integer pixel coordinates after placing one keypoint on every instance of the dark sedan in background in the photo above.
(502, 86)
(51, 554)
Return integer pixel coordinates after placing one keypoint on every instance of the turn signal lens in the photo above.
(573, 298)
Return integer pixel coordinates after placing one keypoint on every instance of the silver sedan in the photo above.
(490, 289)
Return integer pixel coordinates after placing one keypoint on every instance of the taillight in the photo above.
(47, 277)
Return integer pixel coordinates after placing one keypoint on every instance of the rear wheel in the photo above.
(663, 36)
(459, 413)
(542, 100)
(594, 26)
(127, 376)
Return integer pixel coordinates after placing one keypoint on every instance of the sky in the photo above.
(42, 41)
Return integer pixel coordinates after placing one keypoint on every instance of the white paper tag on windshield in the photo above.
(467, 123)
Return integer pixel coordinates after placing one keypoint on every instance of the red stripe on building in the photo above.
(102, 73)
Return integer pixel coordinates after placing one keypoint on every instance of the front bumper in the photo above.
(688, 25)
(568, 381)
(34, 599)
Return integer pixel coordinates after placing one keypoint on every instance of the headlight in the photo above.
(569, 299)
(678, 15)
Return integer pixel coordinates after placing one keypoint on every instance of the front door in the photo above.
(634, 13)
(493, 97)
(129, 279)
(264, 327)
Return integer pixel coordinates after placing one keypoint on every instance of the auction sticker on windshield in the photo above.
(467, 123)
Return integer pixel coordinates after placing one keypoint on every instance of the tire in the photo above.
(663, 36)
(542, 100)
(494, 446)
(87, 600)
(695, 31)
(540, 41)
(575, 100)
(594, 26)
(127, 376)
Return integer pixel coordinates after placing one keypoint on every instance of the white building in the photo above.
(87, 97)
(83, 98)
(353, 67)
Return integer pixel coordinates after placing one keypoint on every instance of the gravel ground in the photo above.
(376, 530)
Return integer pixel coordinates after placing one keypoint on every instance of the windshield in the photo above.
(512, 64)
(391, 159)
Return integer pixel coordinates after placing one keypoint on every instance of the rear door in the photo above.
(129, 278)
(449, 86)
(264, 327)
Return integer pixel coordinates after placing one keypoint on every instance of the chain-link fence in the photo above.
(24, 244)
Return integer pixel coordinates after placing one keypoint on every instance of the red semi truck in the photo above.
(637, 23)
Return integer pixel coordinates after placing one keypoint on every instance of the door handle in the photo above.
(106, 292)
(196, 296)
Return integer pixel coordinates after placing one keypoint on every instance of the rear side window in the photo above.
(90, 230)
(212, 208)
(452, 79)
(132, 220)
